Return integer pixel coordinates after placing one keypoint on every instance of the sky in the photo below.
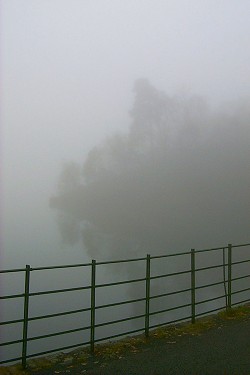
(67, 74)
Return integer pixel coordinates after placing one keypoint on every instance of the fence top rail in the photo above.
(221, 248)
(73, 265)
(245, 244)
(13, 270)
(118, 261)
(60, 267)
(169, 255)
(45, 268)
(211, 249)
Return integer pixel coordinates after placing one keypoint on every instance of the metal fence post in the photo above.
(229, 277)
(147, 295)
(25, 315)
(92, 324)
(193, 285)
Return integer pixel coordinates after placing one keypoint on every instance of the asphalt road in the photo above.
(223, 349)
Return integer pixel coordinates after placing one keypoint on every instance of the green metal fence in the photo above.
(227, 280)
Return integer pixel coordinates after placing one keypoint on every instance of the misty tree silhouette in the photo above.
(168, 182)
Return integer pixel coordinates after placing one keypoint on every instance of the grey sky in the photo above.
(67, 72)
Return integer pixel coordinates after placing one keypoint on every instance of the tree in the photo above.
(168, 183)
(151, 115)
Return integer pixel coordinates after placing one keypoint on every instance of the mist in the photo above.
(177, 179)
(124, 131)
(67, 73)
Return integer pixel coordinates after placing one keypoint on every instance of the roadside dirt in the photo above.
(216, 345)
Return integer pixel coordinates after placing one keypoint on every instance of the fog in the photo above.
(67, 73)
(178, 178)
(124, 128)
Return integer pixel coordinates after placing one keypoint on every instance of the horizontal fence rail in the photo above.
(192, 301)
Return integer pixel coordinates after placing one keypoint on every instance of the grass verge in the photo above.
(118, 349)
